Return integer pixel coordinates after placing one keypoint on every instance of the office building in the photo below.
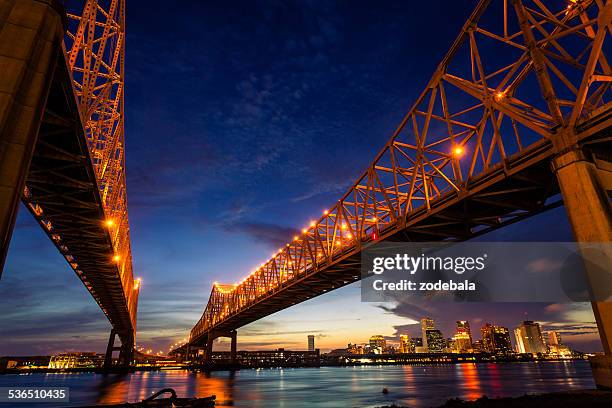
(529, 338)
(427, 323)
(436, 343)
(378, 344)
(405, 345)
(311, 342)
(554, 338)
(462, 343)
(463, 326)
(496, 339)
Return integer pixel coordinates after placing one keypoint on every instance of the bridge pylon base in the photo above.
(583, 179)
(126, 352)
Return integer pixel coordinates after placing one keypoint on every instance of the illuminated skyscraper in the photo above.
(556, 347)
(378, 344)
(462, 340)
(518, 339)
(531, 340)
(501, 340)
(427, 323)
(463, 326)
(554, 338)
(496, 339)
(405, 345)
(462, 343)
(436, 343)
(487, 338)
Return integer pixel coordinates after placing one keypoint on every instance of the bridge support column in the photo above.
(108, 357)
(126, 351)
(209, 348)
(31, 33)
(234, 338)
(588, 209)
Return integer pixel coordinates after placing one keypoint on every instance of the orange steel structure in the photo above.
(75, 186)
(475, 152)
(95, 46)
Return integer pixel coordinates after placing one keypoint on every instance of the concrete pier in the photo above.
(582, 185)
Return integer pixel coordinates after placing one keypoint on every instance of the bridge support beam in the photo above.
(31, 33)
(587, 204)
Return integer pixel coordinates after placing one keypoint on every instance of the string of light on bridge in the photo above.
(178, 344)
(457, 151)
(149, 351)
(110, 223)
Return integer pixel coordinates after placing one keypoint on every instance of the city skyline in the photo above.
(529, 337)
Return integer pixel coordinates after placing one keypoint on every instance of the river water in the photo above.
(408, 385)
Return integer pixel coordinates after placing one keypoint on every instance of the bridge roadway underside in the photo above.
(61, 180)
(525, 186)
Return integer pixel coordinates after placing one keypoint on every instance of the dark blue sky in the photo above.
(244, 120)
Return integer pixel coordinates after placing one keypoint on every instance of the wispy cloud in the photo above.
(273, 235)
(322, 188)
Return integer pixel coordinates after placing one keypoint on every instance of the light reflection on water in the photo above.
(410, 385)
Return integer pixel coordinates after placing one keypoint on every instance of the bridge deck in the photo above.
(62, 194)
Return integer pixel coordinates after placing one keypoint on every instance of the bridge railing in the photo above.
(517, 73)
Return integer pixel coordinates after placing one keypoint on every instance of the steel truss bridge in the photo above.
(515, 120)
(62, 144)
